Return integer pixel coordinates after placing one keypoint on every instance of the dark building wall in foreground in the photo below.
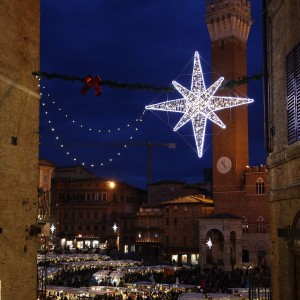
(19, 143)
(282, 41)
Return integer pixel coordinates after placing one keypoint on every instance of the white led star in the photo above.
(209, 243)
(199, 104)
(115, 227)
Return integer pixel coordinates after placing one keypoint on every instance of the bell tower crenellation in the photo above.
(228, 18)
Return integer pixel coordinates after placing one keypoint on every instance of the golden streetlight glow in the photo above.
(112, 184)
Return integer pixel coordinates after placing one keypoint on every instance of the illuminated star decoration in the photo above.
(198, 104)
(209, 243)
(52, 228)
(115, 227)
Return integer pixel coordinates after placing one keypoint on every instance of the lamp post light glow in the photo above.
(112, 184)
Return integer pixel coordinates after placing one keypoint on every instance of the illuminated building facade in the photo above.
(239, 227)
(45, 208)
(180, 229)
(89, 210)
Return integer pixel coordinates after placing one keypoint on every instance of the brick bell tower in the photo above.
(228, 23)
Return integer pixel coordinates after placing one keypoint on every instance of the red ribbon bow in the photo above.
(96, 83)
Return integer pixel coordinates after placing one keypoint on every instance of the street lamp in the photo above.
(112, 184)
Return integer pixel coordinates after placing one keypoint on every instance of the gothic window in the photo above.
(260, 225)
(245, 225)
(260, 186)
(293, 95)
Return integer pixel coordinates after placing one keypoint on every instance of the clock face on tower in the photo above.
(224, 164)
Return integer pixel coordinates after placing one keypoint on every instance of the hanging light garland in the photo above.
(46, 98)
(97, 82)
(109, 83)
(115, 130)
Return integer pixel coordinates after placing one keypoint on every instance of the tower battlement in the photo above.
(227, 18)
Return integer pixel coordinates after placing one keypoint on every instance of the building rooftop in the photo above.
(190, 199)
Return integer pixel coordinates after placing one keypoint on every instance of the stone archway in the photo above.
(215, 247)
(225, 234)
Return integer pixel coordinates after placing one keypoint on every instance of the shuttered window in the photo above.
(293, 94)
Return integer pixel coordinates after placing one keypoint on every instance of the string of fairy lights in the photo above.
(47, 101)
(49, 105)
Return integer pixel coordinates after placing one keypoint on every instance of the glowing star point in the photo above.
(209, 243)
(199, 104)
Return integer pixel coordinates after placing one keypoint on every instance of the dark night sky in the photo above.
(131, 41)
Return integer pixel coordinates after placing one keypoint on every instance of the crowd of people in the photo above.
(209, 280)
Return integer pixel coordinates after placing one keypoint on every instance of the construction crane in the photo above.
(150, 145)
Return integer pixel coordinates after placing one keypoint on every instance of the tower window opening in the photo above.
(260, 186)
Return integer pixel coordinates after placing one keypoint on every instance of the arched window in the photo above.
(245, 225)
(260, 225)
(260, 186)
